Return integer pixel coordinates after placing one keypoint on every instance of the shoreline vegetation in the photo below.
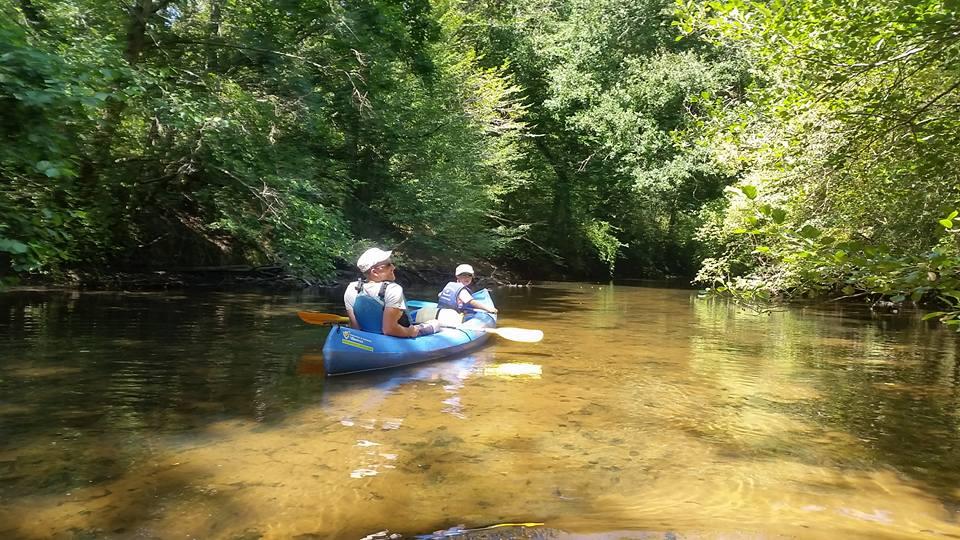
(241, 277)
(768, 151)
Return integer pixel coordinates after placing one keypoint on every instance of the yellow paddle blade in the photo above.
(314, 317)
(525, 335)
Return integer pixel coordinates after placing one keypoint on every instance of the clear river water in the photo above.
(644, 413)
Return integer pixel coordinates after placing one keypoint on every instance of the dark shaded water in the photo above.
(644, 413)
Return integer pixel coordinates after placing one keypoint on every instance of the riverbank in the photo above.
(247, 277)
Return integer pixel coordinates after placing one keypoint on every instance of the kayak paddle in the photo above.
(513, 334)
(507, 332)
(314, 317)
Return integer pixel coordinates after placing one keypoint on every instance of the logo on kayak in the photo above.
(353, 340)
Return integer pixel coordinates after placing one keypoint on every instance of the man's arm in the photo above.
(349, 297)
(391, 324)
(353, 319)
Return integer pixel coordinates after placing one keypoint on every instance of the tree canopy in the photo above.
(846, 140)
(777, 148)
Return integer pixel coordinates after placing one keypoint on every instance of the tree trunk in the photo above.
(100, 151)
(213, 33)
(33, 14)
(561, 212)
(137, 30)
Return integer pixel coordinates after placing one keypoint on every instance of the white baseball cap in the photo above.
(371, 258)
(463, 269)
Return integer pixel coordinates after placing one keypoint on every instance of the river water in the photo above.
(644, 413)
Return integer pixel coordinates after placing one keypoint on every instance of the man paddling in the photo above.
(376, 304)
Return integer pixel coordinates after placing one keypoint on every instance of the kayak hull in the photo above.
(348, 350)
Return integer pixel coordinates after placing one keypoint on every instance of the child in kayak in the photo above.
(457, 295)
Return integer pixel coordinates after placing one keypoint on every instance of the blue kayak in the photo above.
(350, 351)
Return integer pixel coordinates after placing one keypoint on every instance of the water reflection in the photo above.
(513, 369)
(366, 391)
(864, 386)
(644, 413)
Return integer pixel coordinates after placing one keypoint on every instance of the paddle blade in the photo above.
(525, 335)
(313, 317)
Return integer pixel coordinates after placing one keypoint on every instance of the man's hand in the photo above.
(427, 327)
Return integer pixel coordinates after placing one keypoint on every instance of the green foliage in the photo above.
(49, 103)
(213, 132)
(854, 115)
(616, 104)
(452, 159)
(787, 259)
(606, 244)
(589, 137)
(847, 135)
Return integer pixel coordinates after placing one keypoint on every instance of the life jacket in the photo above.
(449, 297)
(369, 309)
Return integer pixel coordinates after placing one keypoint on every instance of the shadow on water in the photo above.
(144, 499)
(88, 380)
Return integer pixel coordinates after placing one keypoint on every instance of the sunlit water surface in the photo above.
(644, 413)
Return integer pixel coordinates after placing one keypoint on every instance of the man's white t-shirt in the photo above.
(392, 296)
